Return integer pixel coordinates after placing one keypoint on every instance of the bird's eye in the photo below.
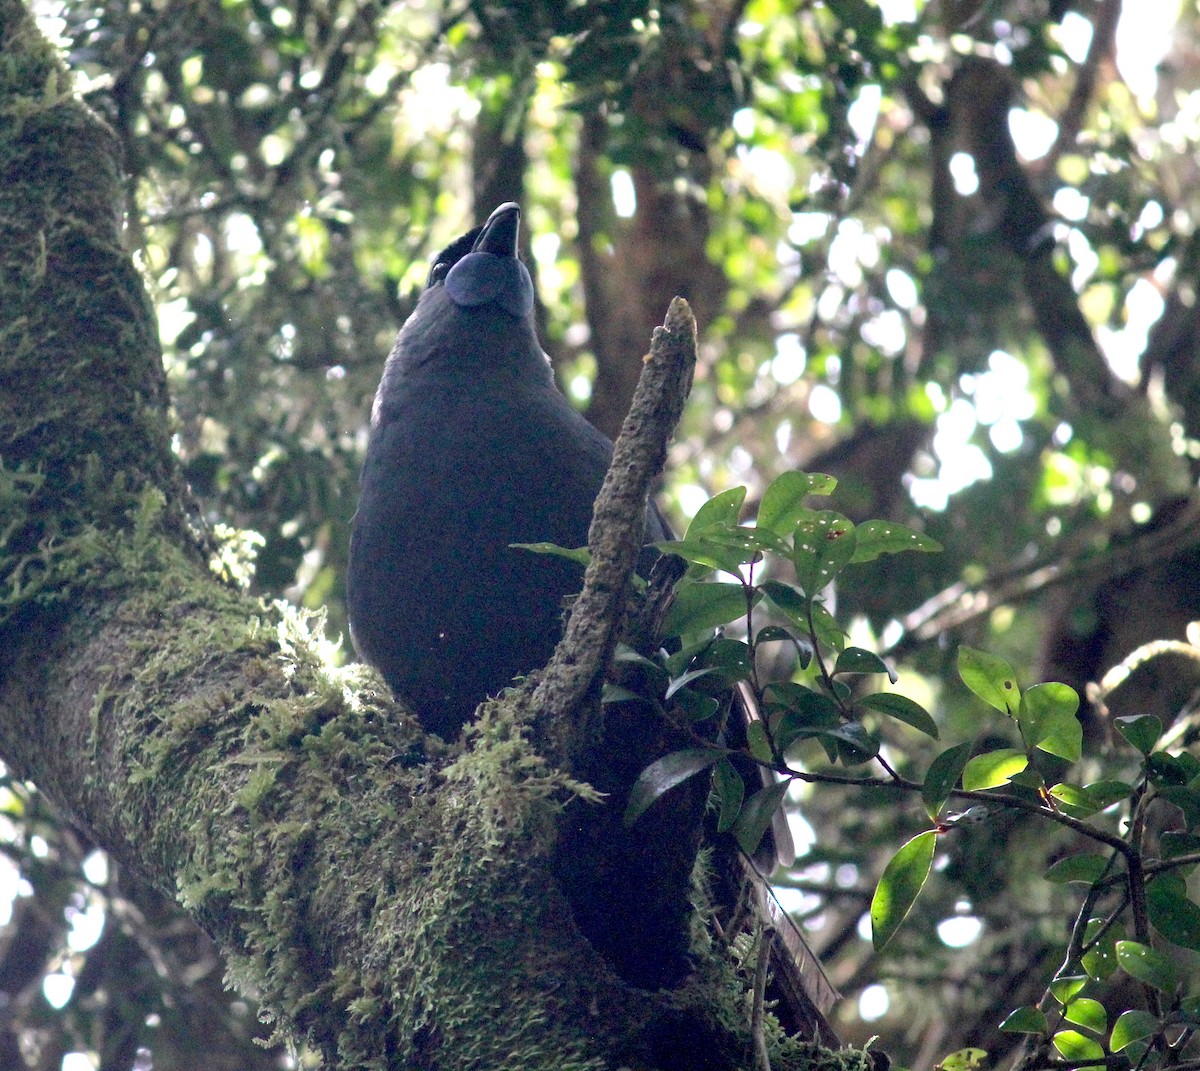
(438, 272)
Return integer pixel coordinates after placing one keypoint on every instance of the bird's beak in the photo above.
(499, 234)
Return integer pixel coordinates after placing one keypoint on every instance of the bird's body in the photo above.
(472, 448)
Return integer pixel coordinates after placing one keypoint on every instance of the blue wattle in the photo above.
(480, 278)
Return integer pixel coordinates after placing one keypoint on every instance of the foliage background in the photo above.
(945, 252)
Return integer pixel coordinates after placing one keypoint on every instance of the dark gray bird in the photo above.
(472, 448)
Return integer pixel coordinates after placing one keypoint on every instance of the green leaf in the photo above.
(823, 545)
(702, 607)
(1065, 989)
(1186, 799)
(991, 678)
(962, 1060)
(579, 554)
(726, 550)
(903, 878)
(829, 633)
(942, 776)
(1026, 1020)
(993, 768)
(1088, 1013)
(664, 774)
(1174, 843)
(1100, 960)
(773, 633)
(1084, 867)
(1131, 1026)
(887, 537)
(857, 660)
(1106, 793)
(1047, 718)
(1075, 801)
(756, 815)
(789, 602)
(855, 744)
(1142, 731)
(1146, 965)
(730, 791)
(801, 713)
(695, 705)
(724, 508)
(1171, 912)
(782, 502)
(614, 693)
(1073, 1045)
(902, 709)
(758, 743)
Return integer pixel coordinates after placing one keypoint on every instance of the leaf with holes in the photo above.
(782, 502)
(991, 678)
(822, 547)
(888, 537)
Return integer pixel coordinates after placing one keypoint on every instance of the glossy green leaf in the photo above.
(577, 554)
(903, 878)
(1088, 1013)
(1187, 799)
(829, 633)
(993, 768)
(942, 776)
(1085, 867)
(1100, 959)
(887, 537)
(991, 678)
(855, 744)
(756, 815)
(1131, 1026)
(730, 791)
(1047, 718)
(857, 660)
(695, 706)
(1075, 801)
(725, 550)
(822, 548)
(962, 1060)
(789, 602)
(1066, 988)
(724, 508)
(1106, 793)
(758, 743)
(1026, 1020)
(782, 502)
(1174, 843)
(702, 607)
(1147, 965)
(1172, 913)
(1142, 731)
(664, 774)
(902, 709)
(1073, 1045)
(614, 693)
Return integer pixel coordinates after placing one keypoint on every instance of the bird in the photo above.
(472, 448)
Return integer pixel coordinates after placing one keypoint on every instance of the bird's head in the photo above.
(474, 318)
(482, 267)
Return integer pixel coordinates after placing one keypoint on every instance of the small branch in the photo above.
(618, 523)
